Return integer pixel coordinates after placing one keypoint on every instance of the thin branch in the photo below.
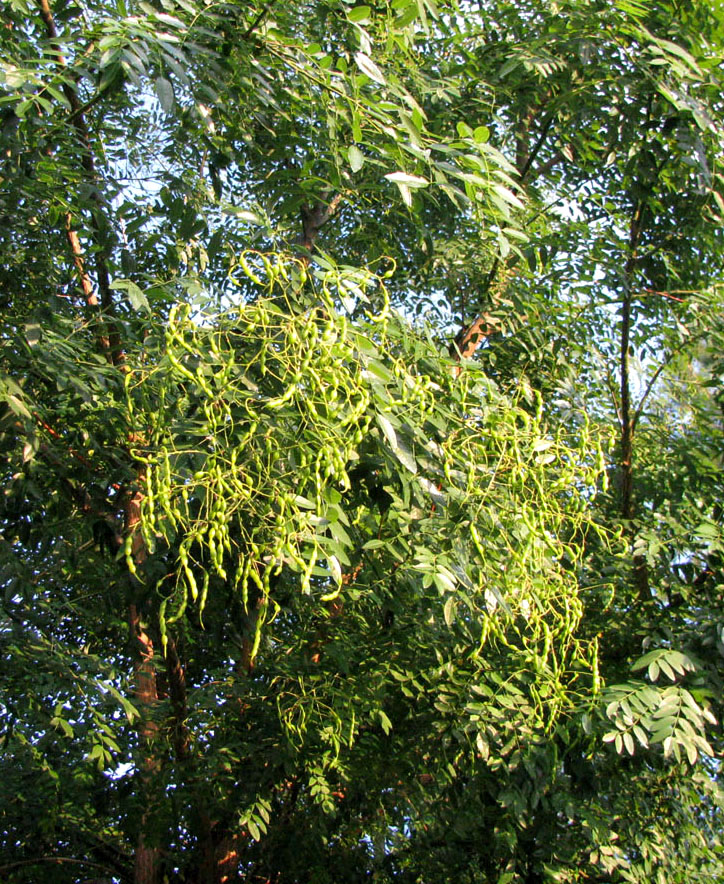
(625, 356)
(612, 391)
(472, 335)
(54, 860)
(76, 250)
(652, 381)
(81, 109)
(257, 21)
(535, 150)
(557, 157)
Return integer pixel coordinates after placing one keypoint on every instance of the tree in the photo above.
(361, 441)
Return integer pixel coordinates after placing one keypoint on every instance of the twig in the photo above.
(257, 21)
(20, 863)
(545, 129)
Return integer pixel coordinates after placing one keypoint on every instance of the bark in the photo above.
(473, 334)
(76, 250)
(146, 857)
(176, 676)
(470, 337)
(220, 861)
(522, 141)
(314, 218)
(77, 119)
(625, 370)
(146, 862)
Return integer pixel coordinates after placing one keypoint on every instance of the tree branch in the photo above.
(627, 425)
(471, 336)
(258, 20)
(54, 860)
(77, 119)
(314, 217)
(535, 150)
(557, 157)
(176, 675)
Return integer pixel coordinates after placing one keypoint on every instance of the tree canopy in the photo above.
(361, 441)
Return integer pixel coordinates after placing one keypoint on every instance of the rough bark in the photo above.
(146, 861)
(76, 250)
(176, 677)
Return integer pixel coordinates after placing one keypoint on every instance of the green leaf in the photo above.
(17, 406)
(405, 456)
(387, 429)
(137, 298)
(449, 611)
(369, 68)
(62, 725)
(335, 569)
(356, 158)
(384, 721)
(507, 195)
(33, 333)
(412, 181)
(164, 91)
(359, 14)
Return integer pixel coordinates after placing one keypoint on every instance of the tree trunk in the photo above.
(146, 865)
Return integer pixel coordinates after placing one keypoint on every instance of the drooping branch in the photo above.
(6, 868)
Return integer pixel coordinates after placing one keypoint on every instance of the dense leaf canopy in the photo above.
(361, 441)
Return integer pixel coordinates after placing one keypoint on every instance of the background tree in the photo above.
(297, 587)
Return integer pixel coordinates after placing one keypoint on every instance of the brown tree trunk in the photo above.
(146, 863)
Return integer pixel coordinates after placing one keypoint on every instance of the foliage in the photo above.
(296, 587)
